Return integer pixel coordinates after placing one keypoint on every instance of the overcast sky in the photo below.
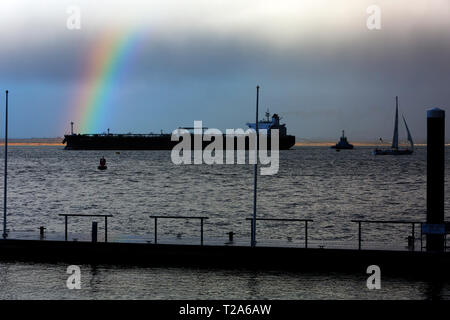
(317, 63)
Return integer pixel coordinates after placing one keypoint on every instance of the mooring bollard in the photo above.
(411, 243)
(435, 227)
(41, 232)
(94, 231)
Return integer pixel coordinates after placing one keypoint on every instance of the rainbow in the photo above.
(104, 70)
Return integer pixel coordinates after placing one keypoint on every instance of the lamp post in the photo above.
(5, 235)
(253, 241)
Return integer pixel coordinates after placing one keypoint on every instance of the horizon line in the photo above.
(312, 143)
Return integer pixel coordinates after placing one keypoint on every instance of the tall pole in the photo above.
(6, 169)
(435, 175)
(255, 172)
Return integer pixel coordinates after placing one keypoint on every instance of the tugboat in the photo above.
(395, 151)
(343, 143)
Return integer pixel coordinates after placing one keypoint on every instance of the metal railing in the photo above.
(412, 223)
(305, 221)
(65, 215)
(287, 220)
(178, 217)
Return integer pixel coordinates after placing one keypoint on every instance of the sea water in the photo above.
(318, 183)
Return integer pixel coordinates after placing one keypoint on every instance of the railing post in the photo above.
(251, 230)
(306, 234)
(413, 236)
(65, 228)
(106, 229)
(359, 235)
(94, 231)
(201, 231)
(421, 237)
(156, 230)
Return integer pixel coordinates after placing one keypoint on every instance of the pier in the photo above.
(416, 263)
(431, 259)
(234, 254)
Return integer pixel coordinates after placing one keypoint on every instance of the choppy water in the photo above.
(330, 187)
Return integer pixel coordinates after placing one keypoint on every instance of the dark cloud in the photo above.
(320, 85)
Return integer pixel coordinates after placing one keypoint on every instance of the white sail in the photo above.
(409, 133)
(395, 138)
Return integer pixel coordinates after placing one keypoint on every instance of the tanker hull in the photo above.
(147, 142)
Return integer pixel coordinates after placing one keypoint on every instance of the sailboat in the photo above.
(394, 149)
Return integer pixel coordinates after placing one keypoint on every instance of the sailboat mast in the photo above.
(395, 138)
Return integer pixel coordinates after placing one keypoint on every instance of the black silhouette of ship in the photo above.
(343, 143)
(162, 141)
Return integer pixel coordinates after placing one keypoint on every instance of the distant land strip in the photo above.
(356, 144)
(34, 142)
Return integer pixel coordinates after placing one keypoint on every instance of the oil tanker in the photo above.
(162, 141)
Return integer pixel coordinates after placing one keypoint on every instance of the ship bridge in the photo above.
(268, 124)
